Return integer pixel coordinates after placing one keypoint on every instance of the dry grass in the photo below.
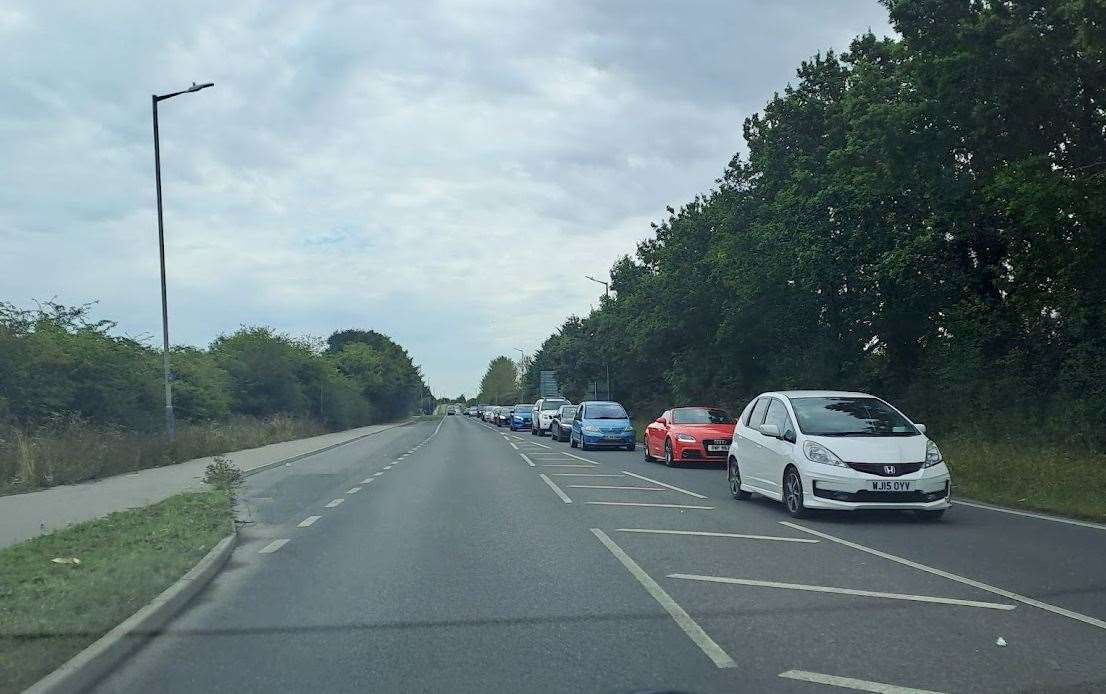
(74, 450)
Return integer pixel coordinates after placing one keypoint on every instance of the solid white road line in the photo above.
(1093, 621)
(682, 618)
(353, 490)
(334, 503)
(556, 489)
(669, 486)
(634, 503)
(272, 546)
(535, 443)
(611, 486)
(585, 467)
(573, 455)
(1030, 514)
(513, 445)
(436, 430)
(700, 533)
(528, 461)
(583, 474)
(851, 683)
(843, 591)
(308, 521)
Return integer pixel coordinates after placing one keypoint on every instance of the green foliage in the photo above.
(500, 384)
(224, 475)
(78, 402)
(919, 217)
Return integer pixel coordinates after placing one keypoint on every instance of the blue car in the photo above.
(521, 417)
(601, 424)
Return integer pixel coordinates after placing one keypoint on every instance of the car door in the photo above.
(751, 453)
(655, 434)
(577, 427)
(777, 450)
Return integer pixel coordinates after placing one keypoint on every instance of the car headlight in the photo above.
(933, 454)
(591, 430)
(686, 438)
(817, 453)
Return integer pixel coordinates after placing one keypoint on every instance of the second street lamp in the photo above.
(170, 422)
(606, 362)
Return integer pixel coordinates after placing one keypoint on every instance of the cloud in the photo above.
(445, 172)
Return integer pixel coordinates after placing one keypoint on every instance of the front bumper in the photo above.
(687, 452)
(847, 489)
(544, 422)
(612, 440)
(517, 424)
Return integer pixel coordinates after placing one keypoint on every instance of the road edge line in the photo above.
(683, 620)
(851, 683)
(97, 660)
(1055, 609)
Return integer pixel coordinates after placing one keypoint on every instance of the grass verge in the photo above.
(49, 612)
(1042, 478)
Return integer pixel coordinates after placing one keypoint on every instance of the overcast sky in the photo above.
(443, 172)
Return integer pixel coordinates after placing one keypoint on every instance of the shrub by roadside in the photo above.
(73, 450)
(49, 611)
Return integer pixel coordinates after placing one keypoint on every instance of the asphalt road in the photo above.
(476, 560)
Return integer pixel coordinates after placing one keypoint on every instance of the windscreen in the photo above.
(605, 410)
(849, 416)
(700, 415)
(523, 408)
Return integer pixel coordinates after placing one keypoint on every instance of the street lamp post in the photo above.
(170, 423)
(606, 362)
(521, 366)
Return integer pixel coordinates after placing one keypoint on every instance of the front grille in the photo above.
(896, 470)
(868, 496)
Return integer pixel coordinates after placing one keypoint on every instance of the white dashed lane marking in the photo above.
(367, 480)
(272, 546)
(556, 490)
(669, 486)
(310, 520)
(528, 461)
(634, 503)
(843, 591)
(353, 490)
(334, 503)
(611, 486)
(700, 533)
(852, 683)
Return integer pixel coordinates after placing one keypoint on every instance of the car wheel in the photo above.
(793, 493)
(584, 446)
(733, 475)
(668, 452)
(645, 447)
(571, 441)
(631, 446)
(930, 516)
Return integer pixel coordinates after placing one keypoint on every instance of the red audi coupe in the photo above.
(689, 435)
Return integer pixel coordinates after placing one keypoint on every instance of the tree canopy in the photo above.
(919, 217)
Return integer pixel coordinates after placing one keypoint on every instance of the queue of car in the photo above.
(832, 450)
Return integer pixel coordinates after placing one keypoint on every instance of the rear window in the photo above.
(569, 410)
(700, 415)
(523, 408)
(849, 416)
(552, 404)
(607, 410)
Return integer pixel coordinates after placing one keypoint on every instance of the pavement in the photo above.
(453, 556)
(24, 516)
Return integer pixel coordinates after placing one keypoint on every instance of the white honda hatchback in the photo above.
(836, 450)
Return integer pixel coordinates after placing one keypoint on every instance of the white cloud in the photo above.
(400, 167)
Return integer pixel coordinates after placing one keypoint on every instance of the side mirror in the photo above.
(770, 430)
(921, 427)
(555, 415)
(789, 436)
(660, 420)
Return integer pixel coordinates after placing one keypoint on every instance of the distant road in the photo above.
(476, 560)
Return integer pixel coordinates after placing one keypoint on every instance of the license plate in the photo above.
(717, 447)
(890, 486)
(613, 438)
